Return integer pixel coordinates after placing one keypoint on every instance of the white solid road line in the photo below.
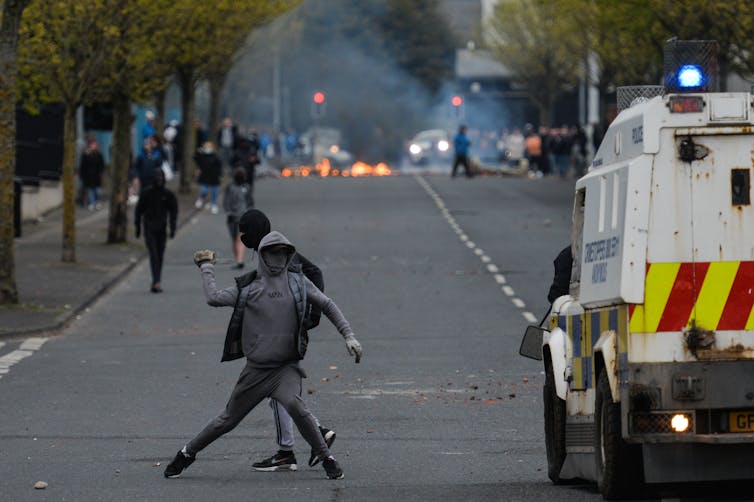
(491, 267)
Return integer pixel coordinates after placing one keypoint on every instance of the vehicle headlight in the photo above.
(443, 145)
(415, 149)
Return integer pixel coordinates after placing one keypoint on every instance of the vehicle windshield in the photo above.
(434, 134)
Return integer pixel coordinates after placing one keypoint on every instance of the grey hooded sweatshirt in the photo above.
(272, 327)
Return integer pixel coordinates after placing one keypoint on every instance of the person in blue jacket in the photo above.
(461, 145)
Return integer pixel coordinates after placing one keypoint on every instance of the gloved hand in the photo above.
(172, 233)
(137, 231)
(353, 346)
(204, 256)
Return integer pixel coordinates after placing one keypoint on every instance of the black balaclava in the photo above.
(159, 179)
(253, 225)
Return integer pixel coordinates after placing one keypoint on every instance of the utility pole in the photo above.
(276, 89)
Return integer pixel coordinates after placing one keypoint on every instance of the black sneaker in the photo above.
(281, 461)
(329, 437)
(178, 465)
(332, 468)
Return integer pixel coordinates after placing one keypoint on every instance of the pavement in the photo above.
(51, 292)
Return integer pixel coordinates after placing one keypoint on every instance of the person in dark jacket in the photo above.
(91, 167)
(561, 281)
(273, 341)
(158, 208)
(254, 225)
(247, 156)
(210, 169)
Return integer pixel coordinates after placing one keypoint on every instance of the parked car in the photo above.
(428, 146)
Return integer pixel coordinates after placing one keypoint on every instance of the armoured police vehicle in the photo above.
(649, 361)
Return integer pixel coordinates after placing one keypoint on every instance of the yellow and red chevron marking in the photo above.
(716, 295)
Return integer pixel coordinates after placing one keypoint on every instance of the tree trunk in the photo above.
(216, 85)
(602, 91)
(544, 114)
(187, 82)
(11, 17)
(69, 183)
(159, 105)
(117, 226)
(544, 102)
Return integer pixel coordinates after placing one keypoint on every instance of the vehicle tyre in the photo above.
(555, 417)
(618, 464)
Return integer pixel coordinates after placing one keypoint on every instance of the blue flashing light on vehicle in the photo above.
(690, 76)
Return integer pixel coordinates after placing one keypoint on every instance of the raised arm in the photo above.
(205, 260)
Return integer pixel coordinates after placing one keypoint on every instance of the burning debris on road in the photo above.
(324, 169)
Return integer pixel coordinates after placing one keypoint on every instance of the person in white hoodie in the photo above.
(274, 340)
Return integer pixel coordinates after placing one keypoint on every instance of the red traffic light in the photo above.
(457, 100)
(319, 97)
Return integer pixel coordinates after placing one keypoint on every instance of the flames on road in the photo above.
(324, 169)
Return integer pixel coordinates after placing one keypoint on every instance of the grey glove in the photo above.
(204, 256)
(353, 346)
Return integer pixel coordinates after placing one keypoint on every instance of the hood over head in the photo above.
(159, 178)
(253, 225)
(275, 254)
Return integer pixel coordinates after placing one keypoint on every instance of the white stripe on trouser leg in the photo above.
(283, 426)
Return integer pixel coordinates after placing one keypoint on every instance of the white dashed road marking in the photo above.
(530, 317)
(491, 267)
(27, 348)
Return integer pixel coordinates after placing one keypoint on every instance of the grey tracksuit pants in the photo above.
(282, 384)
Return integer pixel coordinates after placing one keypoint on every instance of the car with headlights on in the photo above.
(428, 146)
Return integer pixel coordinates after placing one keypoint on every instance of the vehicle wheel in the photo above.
(555, 417)
(619, 465)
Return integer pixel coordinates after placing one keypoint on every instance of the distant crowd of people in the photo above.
(560, 151)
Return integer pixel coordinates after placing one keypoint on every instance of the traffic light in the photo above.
(318, 105)
(457, 102)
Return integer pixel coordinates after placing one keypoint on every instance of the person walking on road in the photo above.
(246, 156)
(158, 208)
(210, 169)
(461, 144)
(253, 226)
(272, 337)
(227, 138)
(91, 168)
(533, 149)
(236, 200)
